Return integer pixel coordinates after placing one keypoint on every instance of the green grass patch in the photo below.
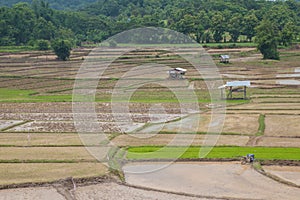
(261, 153)
(20, 96)
(262, 125)
(16, 49)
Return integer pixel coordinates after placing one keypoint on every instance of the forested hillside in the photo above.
(204, 20)
(55, 4)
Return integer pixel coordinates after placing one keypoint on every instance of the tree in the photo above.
(186, 25)
(288, 34)
(23, 21)
(218, 26)
(235, 27)
(284, 20)
(62, 49)
(267, 40)
(43, 30)
(250, 21)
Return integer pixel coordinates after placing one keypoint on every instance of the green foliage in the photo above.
(262, 125)
(267, 39)
(56, 4)
(218, 25)
(43, 45)
(13, 95)
(235, 27)
(62, 49)
(97, 20)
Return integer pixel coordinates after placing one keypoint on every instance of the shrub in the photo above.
(62, 49)
(43, 45)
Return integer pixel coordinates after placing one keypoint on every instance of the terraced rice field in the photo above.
(38, 135)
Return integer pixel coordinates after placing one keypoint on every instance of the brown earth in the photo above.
(167, 139)
(279, 125)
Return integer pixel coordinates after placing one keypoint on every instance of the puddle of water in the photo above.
(288, 82)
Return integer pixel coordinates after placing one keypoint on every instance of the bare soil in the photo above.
(103, 191)
(38, 139)
(278, 142)
(230, 180)
(46, 153)
(288, 173)
(278, 125)
(43, 193)
(167, 139)
(16, 173)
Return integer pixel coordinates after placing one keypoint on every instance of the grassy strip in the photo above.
(228, 45)
(262, 125)
(115, 157)
(199, 133)
(261, 153)
(16, 49)
(22, 96)
(25, 96)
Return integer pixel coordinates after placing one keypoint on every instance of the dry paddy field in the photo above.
(39, 142)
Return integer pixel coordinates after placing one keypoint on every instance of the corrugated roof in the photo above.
(236, 84)
(224, 56)
(180, 69)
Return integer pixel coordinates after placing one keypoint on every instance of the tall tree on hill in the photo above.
(23, 21)
(267, 39)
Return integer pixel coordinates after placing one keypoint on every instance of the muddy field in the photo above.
(287, 173)
(230, 180)
(105, 191)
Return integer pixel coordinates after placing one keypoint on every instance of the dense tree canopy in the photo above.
(96, 20)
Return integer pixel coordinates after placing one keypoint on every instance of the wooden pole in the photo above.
(222, 93)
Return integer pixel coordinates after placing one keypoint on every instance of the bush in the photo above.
(112, 43)
(43, 45)
(62, 49)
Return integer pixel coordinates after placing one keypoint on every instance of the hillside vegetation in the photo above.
(205, 21)
(56, 4)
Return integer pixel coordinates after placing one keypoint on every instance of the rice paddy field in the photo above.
(39, 141)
